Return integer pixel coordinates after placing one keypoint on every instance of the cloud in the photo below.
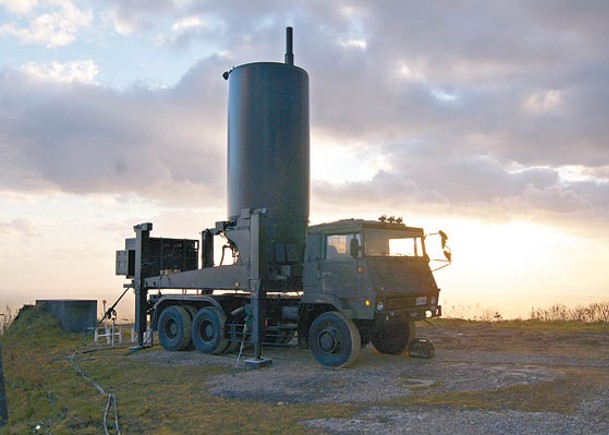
(186, 24)
(85, 139)
(128, 17)
(19, 7)
(542, 102)
(56, 27)
(477, 107)
(78, 71)
(189, 28)
(18, 229)
(122, 25)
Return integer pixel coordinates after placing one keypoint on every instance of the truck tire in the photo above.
(393, 338)
(208, 328)
(192, 310)
(334, 340)
(174, 328)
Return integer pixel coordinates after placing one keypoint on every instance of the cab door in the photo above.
(338, 269)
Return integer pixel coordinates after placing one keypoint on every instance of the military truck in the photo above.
(332, 287)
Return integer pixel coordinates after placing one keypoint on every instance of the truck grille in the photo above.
(400, 302)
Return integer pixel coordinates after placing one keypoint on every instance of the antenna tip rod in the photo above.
(289, 54)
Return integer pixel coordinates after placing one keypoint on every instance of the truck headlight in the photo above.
(421, 300)
(380, 306)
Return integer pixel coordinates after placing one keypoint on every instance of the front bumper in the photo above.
(391, 314)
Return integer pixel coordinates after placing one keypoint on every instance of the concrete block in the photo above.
(74, 315)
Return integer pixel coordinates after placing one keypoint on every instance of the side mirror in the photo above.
(354, 247)
(444, 237)
(445, 247)
(445, 250)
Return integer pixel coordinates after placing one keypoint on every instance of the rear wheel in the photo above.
(208, 328)
(393, 338)
(192, 310)
(174, 328)
(334, 340)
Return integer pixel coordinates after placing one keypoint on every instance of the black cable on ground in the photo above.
(111, 397)
(111, 400)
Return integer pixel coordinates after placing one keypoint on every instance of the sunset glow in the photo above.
(488, 123)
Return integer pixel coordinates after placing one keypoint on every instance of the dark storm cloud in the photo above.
(476, 105)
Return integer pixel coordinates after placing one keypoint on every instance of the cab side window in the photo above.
(337, 246)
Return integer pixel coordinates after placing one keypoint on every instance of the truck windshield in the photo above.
(392, 243)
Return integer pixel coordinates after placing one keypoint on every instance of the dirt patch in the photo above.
(484, 379)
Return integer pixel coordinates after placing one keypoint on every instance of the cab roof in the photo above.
(357, 225)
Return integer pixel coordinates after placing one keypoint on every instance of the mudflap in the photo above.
(421, 348)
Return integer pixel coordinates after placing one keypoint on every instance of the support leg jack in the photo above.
(257, 363)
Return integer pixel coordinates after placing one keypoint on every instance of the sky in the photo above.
(487, 120)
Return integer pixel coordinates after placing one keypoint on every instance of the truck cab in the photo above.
(376, 273)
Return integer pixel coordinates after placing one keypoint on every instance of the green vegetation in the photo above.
(41, 386)
(43, 389)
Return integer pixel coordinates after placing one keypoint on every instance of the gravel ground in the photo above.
(379, 420)
(471, 359)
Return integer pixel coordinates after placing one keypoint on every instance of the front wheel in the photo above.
(208, 328)
(393, 338)
(335, 340)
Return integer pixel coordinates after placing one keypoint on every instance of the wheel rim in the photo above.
(329, 340)
(171, 329)
(207, 331)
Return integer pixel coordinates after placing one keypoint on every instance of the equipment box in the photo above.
(171, 254)
(421, 348)
(158, 255)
